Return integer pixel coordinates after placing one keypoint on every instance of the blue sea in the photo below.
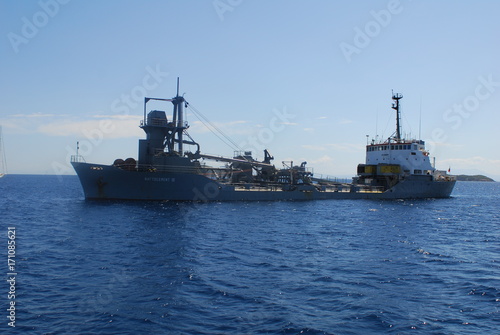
(318, 267)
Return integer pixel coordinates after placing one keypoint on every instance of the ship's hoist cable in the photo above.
(382, 137)
(407, 124)
(207, 123)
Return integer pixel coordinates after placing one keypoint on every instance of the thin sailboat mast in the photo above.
(3, 161)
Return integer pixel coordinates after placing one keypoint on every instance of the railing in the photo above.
(320, 177)
(158, 122)
(77, 159)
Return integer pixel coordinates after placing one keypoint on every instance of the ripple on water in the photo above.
(325, 267)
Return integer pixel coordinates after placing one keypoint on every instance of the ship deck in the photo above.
(309, 188)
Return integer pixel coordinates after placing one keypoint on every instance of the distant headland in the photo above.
(477, 177)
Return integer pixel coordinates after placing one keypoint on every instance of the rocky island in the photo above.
(477, 177)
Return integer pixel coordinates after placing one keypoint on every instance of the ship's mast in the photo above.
(396, 106)
(162, 134)
(178, 119)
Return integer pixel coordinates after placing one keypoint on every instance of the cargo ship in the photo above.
(171, 167)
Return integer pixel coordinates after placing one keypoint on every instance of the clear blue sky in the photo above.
(74, 70)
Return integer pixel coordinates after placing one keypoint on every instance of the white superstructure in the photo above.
(410, 155)
(398, 159)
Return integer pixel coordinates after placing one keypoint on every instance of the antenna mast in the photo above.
(396, 106)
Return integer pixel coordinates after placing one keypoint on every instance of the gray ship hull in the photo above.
(111, 182)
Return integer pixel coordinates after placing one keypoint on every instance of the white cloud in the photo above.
(12, 124)
(345, 121)
(446, 145)
(313, 147)
(474, 162)
(33, 115)
(114, 116)
(346, 147)
(322, 160)
(105, 128)
(123, 126)
(239, 127)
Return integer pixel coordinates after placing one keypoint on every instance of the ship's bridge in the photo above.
(411, 155)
